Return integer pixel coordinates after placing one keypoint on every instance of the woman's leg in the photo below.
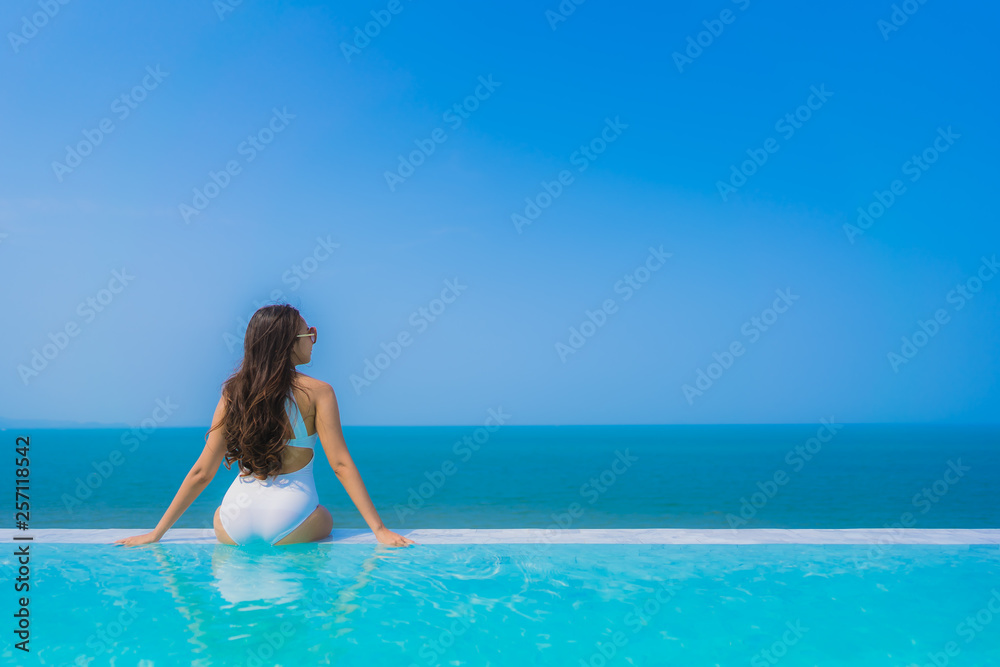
(317, 526)
(220, 532)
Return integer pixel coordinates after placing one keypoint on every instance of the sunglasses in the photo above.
(311, 334)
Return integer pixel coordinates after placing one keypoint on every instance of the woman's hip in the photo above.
(282, 490)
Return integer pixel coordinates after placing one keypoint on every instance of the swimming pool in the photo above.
(489, 598)
(192, 602)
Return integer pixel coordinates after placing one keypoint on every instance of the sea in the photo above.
(822, 475)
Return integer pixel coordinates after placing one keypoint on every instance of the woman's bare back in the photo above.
(296, 458)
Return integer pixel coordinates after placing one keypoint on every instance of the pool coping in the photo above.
(557, 536)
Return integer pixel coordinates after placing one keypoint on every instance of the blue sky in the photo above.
(620, 143)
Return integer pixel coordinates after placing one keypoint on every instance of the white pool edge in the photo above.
(561, 536)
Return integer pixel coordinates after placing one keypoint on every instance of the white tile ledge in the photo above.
(567, 536)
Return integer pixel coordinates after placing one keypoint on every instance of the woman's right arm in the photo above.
(196, 481)
(331, 436)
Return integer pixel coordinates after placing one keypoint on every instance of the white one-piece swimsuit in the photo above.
(267, 510)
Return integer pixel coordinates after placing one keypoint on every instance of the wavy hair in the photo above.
(256, 425)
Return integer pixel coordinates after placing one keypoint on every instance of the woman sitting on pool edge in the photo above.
(259, 424)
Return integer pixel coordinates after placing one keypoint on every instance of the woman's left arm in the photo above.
(197, 479)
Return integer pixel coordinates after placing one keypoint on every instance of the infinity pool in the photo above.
(514, 604)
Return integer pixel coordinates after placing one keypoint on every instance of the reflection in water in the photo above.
(344, 605)
(278, 576)
(190, 600)
(309, 579)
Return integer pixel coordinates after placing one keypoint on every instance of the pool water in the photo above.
(517, 604)
(574, 605)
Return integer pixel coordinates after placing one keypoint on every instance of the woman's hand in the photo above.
(136, 540)
(386, 536)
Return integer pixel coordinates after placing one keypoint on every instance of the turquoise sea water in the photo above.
(499, 605)
(527, 476)
(544, 604)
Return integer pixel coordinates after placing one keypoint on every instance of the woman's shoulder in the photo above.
(312, 383)
(313, 387)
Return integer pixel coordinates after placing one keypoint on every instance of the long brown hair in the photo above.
(255, 423)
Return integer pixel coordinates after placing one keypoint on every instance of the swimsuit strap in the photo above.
(295, 417)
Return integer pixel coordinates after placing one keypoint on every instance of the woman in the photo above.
(262, 422)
